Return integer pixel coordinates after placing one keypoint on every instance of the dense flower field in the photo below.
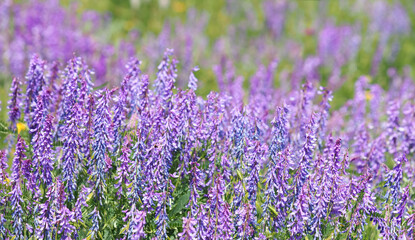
(145, 157)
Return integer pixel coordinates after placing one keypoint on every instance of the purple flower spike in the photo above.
(193, 80)
(300, 213)
(3, 168)
(35, 81)
(16, 203)
(394, 178)
(95, 218)
(118, 122)
(43, 155)
(279, 133)
(102, 122)
(65, 217)
(19, 158)
(189, 231)
(123, 170)
(71, 143)
(137, 223)
(14, 102)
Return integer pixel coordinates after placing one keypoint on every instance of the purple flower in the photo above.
(43, 155)
(410, 222)
(216, 193)
(393, 126)
(255, 154)
(35, 80)
(327, 97)
(193, 80)
(75, 90)
(226, 228)
(136, 224)
(45, 222)
(65, 217)
(400, 206)
(17, 211)
(120, 112)
(88, 129)
(280, 137)
(142, 94)
(161, 218)
(123, 169)
(204, 226)
(71, 143)
(306, 155)
(80, 203)
(166, 77)
(275, 16)
(14, 102)
(16, 193)
(19, 158)
(394, 178)
(39, 114)
(245, 222)
(100, 147)
(276, 193)
(3, 230)
(189, 231)
(95, 218)
(3, 168)
(299, 213)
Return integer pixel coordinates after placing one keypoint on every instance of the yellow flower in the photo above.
(21, 127)
(179, 7)
(368, 95)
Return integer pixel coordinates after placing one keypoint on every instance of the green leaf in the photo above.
(125, 228)
(239, 174)
(181, 203)
(273, 211)
(100, 86)
(90, 196)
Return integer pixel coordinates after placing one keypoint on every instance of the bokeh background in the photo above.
(233, 42)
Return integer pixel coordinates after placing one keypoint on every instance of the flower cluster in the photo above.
(199, 168)
(150, 159)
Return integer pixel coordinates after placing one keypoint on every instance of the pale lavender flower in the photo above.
(118, 122)
(245, 222)
(280, 137)
(226, 228)
(123, 169)
(3, 168)
(189, 231)
(137, 223)
(193, 80)
(299, 213)
(275, 15)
